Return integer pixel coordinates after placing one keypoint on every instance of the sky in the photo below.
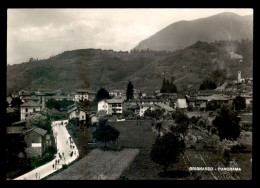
(41, 33)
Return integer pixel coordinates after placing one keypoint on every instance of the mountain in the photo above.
(223, 26)
(95, 68)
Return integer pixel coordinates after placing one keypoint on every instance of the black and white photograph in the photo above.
(129, 94)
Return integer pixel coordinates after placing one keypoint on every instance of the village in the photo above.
(31, 113)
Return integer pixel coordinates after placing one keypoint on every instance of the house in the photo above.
(83, 94)
(16, 144)
(24, 93)
(191, 101)
(75, 112)
(202, 101)
(111, 106)
(117, 92)
(37, 141)
(58, 97)
(31, 98)
(29, 108)
(151, 101)
(248, 98)
(181, 103)
(144, 107)
(94, 119)
(165, 107)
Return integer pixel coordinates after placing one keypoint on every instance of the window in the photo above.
(26, 115)
(33, 109)
(26, 109)
(82, 117)
(119, 104)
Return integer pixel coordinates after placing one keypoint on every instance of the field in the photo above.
(98, 165)
(142, 167)
(136, 140)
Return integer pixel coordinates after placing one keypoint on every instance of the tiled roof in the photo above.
(19, 122)
(37, 130)
(15, 130)
(115, 100)
(147, 105)
(164, 106)
(40, 131)
(31, 104)
(213, 97)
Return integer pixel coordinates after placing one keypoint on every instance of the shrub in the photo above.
(246, 126)
(190, 108)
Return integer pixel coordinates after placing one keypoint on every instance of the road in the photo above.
(63, 146)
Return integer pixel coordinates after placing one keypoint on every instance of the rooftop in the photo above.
(213, 97)
(31, 104)
(15, 130)
(115, 100)
(37, 130)
(165, 106)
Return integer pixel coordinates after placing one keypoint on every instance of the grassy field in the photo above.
(142, 167)
(98, 165)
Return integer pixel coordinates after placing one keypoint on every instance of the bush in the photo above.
(74, 121)
(246, 126)
(211, 114)
(213, 130)
(190, 108)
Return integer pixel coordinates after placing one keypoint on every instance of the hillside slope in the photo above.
(95, 68)
(223, 26)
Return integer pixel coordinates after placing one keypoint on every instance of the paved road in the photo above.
(63, 146)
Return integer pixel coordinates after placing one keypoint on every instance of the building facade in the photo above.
(83, 94)
(111, 106)
(76, 112)
(28, 108)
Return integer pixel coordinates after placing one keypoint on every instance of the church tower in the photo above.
(239, 80)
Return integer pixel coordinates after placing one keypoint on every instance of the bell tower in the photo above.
(239, 77)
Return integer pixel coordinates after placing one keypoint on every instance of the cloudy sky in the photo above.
(40, 33)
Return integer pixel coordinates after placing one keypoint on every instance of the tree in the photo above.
(158, 126)
(167, 150)
(16, 102)
(208, 84)
(102, 94)
(163, 88)
(105, 133)
(183, 122)
(130, 91)
(58, 105)
(227, 123)
(39, 120)
(239, 103)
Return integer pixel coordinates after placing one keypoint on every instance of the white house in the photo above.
(144, 107)
(29, 108)
(181, 103)
(111, 106)
(83, 94)
(75, 112)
